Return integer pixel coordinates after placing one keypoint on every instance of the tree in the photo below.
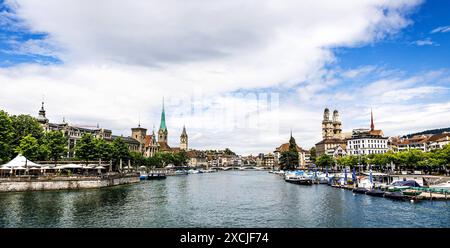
(56, 145)
(103, 149)
(167, 158)
(28, 147)
(181, 158)
(86, 148)
(25, 125)
(137, 158)
(155, 161)
(325, 160)
(6, 137)
(289, 159)
(313, 155)
(229, 152)
(120, 150)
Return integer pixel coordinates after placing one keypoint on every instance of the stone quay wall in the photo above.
(19, 185)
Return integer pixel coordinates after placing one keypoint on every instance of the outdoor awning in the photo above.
(72, 166)
(20, 161)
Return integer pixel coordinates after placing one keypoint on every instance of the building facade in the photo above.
(74, 133)
(367, 141)
(332, 136)
(304, 156)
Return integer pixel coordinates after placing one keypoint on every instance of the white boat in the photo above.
(298, 179)
(444, 185)
(193, 171)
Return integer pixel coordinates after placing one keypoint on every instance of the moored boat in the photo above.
(360, 190)
(395, 195)
(375, 192)
(445, 186)
(411, 192)
(154, 176)
(298, 177)
(299, 180)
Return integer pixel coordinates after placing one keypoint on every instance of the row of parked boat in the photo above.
(163, 174)
(365, 184)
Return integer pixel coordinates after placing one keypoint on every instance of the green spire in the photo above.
(163, 118)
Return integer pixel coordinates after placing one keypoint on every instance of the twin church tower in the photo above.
(331, 129)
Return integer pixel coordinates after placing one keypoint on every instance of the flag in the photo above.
(345, 176)
(354, 175)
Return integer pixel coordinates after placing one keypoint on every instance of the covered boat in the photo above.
(375, 192)
(360, 190)
(395, 196)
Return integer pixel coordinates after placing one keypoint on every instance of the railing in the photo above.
(77, 177)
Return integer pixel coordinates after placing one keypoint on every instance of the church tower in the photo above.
(337, 129)
(139, 134)
(372, 125)
(162, 133)
(184, 140)
(42, 119)
(327, 125)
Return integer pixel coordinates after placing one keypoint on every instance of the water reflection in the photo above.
(226, 199)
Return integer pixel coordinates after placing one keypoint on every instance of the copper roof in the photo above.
(332, 141)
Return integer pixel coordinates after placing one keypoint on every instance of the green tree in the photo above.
(325, 160)
(181, 158)
(167, 158)
(86, 148)
(103, 149)
(413, 157)
(120, 151)
(55, 143)
(6, 137)
(313, 154)
(229, 152)
(137, 159)
(289, 160)
(155, 161)
(28, 147)
(25, 125)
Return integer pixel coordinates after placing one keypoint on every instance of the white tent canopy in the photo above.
(72, 166)
(19, 162)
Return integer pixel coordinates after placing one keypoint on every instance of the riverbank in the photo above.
(21, 184)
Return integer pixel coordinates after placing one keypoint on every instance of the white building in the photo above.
(366, 141)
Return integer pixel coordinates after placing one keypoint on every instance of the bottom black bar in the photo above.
(234, 237)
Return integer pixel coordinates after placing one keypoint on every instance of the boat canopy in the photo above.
(409, 183)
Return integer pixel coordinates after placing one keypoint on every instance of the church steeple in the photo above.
(163, 118)
(162, 133)
(184, 139)
(42, 118)
(372, 126)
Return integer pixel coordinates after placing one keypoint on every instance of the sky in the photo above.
(238, 74)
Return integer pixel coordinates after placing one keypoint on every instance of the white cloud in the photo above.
(120, 59)
(442, 29)
(425, 42)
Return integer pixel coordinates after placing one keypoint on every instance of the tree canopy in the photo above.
(289, 160)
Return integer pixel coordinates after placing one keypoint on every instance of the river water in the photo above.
(223, 199)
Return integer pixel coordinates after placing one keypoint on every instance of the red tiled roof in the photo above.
(148, 140)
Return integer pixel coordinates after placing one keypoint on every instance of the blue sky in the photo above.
(401, 51)
(242, 80)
